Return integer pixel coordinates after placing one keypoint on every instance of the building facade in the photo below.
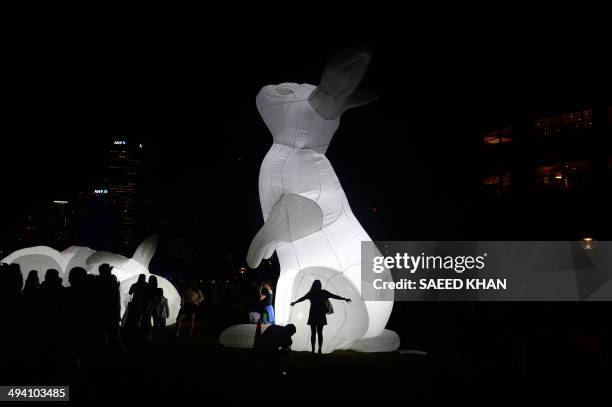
(116, 210)
(556, 167)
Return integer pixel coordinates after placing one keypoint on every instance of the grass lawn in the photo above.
(199, 367)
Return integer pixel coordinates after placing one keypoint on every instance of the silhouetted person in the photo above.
(266, 296)
(138, 304)
(153, 284)
(51, 291)
(32, 283)
(150, 292)
(11, 282)
(51, 320)
(10, 294)
(31, 298)
(108, 303)
(190, 301)
(78, 314)
(274, 345)
(317, 318)
(159, 311)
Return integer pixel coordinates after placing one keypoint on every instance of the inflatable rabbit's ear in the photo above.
(359, 98)
(145, 252)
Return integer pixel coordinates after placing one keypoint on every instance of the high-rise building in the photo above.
(30, 233)
(123, 183)
(46, 223)
(116, 211)
(59, 233)
(96, 220)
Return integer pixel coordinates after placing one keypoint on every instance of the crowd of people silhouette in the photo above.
(74, 331)
(52, 330)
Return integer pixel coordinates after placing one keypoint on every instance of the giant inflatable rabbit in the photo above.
(308, 220)
(43, 258)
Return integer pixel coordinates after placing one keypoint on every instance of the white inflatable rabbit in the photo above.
(308, 220)
(43, 258)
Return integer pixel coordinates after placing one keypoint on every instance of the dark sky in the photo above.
(189, 90)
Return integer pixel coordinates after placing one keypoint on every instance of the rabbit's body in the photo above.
(310, 225)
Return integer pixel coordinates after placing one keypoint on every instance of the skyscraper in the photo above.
(60, 224)
(115, 212)
(122, 180)
(96, 219)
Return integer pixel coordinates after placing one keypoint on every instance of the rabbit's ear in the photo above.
(359, 98)
(144, 253)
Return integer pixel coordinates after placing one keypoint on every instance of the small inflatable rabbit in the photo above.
(308, 220)
(43, 258)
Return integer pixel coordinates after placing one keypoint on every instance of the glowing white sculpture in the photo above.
(43, 258)
(308, 220)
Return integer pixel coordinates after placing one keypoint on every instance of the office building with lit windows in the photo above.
(556, 164)
(60, 231)
(117, 206)
(122, 182)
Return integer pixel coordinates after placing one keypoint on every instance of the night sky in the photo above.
(190, 92)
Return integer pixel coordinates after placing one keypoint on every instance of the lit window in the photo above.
(563, 176)
(546, 127)
(551, 126)
(498, 183)
(498, 137)
(587, 118)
